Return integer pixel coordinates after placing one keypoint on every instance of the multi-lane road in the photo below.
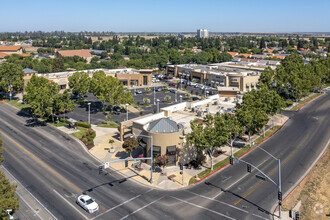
(56, 169)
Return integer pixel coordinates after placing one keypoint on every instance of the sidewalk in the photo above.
(102, 152)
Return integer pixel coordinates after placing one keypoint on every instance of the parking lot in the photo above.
(97, 116)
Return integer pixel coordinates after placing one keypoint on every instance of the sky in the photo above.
(165, 15)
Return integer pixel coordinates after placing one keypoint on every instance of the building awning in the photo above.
(171, 148)
(156, 148)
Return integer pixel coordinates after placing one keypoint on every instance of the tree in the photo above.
(266, 79)
(45, 98)
(228, 126)
(8, 198)
(58, 65)
(197, 138)
(11, 72)
(130, 144)
(111, 141)
(162, 160)
(167, 98)
(146, 101)
(79, 82)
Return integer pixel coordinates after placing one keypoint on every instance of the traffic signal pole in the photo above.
(279, 185)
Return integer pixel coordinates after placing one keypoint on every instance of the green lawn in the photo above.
(295, 108)
(137, 107)
(237, 154)
(59, 124)
(17, 104)
(79, 134)
(108, 124)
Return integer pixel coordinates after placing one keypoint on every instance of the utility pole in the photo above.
(126, 112)
(154, 96)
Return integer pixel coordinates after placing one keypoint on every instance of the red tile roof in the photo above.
(233, 53)
(277, 57)
(244, 54)
(10, 48)
(3, 55)
(71, 53)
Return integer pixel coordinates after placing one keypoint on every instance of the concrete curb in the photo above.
(311, 100)
(244, 153)
(85, 149)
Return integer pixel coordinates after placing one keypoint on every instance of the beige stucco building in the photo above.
(166, 134)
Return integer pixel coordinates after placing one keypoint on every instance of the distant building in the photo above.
(80, 53)
(202, 33)
(28, 73)
(11, 49)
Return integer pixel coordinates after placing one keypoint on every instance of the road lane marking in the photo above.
(42, 163)
(271, 174)
(239, 180)
(85, 217)
(21, 185)
(217, 201)
(201, 207)
(142, 208)
(47, 167)
(260, 216)
(109, 210)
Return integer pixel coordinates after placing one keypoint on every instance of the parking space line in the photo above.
(201, 207)
(217, 201)
(142, 207)
(85, 217)
(119, 205)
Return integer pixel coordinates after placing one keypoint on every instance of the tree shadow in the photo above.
(34, 122)
(240, 197)
(122, 154)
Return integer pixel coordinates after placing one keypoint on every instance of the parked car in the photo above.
(192, 83)
(158, 89)
(195, 98)
(87, 203)
(62, 112)
(138, 92)
(174, 91)
(117, 108)
(172, 84)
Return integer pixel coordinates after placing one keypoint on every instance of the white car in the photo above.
(87, 203)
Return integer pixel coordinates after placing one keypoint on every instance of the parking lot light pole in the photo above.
(157, 105)
(126, 112)
(89, 112)
(154, 95)
(176, 96)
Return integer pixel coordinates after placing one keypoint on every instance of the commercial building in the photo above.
(167, 136)
(128, 76)
(28, 73)
(202, 33)
(71, 53)
(229, 74)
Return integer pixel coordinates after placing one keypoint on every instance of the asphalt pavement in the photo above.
(55, 168)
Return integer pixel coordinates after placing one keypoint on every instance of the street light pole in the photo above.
(89, 112)
(126, 112)
(154, 96)
(9, 90)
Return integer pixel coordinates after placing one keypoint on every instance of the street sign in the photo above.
(261, 177)
(236, 160)
(106, 165)
(136, 163)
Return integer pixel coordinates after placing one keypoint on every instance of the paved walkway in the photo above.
(170, 177)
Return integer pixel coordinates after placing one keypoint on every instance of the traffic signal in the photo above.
(297, 215)
(231, 159)
(100, 169)
(181, 166)
(249, 168)
(280, 196)
(126, 163)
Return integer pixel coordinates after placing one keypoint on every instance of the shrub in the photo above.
(85, 140)
(91, 142)
(83, 124)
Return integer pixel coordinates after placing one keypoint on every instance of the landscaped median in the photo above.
(218, 166)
